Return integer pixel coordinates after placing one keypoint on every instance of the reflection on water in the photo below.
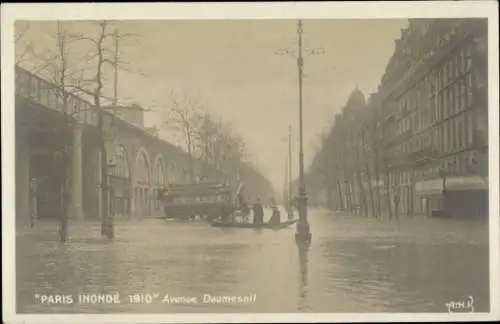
(303, 251)
(352, 265)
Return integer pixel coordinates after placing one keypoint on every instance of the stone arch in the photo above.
(142, 183)
(173, 172)
(159, 171)
(120, 183)
(159, 181)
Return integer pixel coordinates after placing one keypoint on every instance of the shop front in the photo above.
(454, 196)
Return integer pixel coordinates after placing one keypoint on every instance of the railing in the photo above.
(47, 94)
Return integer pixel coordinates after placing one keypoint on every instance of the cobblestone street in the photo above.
(353, 265)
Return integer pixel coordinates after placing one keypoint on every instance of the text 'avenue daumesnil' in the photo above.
(116, 298)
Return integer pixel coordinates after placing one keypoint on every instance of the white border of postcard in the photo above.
(254, 10)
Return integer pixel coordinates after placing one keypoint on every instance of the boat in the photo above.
(281, 225)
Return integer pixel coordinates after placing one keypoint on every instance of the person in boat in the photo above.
(276, 216)
(258, 213)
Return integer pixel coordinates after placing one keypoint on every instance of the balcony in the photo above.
(425, 155)
(394, 139)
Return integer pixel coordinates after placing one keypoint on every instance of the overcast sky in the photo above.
(233, 67)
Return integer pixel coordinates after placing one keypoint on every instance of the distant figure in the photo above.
(396, 205)
(258, 213)
(276, 216)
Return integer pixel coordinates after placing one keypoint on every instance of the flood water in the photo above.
(353, 265)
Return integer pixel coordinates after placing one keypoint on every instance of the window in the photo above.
(450, 101)
(457, 64)
(445, 138)
(463, 94)
(458, 94)
(469, 59)
(463, 60)
(452, 68)
(451, 132)
(459, 132)
(440, 106)
(438, 81)
(468, 80)
(441, 138)
(464, 131)
(121, 168)
(445, 77)
(471, 127)
(450, 71)
(444, 108)
(447, 73)
(455, 99)
(434, 138)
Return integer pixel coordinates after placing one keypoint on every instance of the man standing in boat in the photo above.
(258, 213)
(276, 215)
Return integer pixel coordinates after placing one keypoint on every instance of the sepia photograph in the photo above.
(309, 161)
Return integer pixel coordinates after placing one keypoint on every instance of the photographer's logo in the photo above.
(465, 306)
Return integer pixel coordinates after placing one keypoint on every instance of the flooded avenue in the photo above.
(354, 264)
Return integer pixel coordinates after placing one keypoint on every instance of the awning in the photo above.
(434, 187)
(429, 193)
(430, 187)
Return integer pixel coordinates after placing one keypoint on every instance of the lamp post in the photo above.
(303, 229)
(288, 175)
(303, 233)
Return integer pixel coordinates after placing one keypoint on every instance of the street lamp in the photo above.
(303, 233)
(288, 174)
(290, 206)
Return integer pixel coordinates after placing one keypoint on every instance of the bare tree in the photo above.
(103, 52)
(358, 167)
(229, 148)
(223, 146)
(59, 68)
(21, 28)
(368, 165)
(206, 136)
(375, 147)
(62, 46)
(185, 116)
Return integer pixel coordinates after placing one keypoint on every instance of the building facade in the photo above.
(419, 145)
(434, 97)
